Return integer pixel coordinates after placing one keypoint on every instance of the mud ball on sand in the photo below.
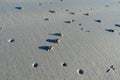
(80, 71)
(11, 40)
(35, 65)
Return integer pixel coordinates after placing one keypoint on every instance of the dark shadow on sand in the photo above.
(109, 30)
(18, 7)
(108, 70)
(97, 20)
(72, 13)
(51, 11)
(87, 14)
(43, 47)
(56, 34)
(67, 22)
(51, 40)
(118, 25)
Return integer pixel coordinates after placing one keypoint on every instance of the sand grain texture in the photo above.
(87, 47)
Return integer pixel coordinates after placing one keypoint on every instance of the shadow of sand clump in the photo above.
(108, 70)
(87, 31)
(46, 19)
(0, 27)
(106, 5)
(73, 20)
(98, 20)
(52, 11)
(66, 10)
(19, 7)
(72, 13)
(118, 25)
(67, 22)
(57, 34)
(110, 30)
(53, 40)
(46, 48)
(61, 0)
(87, 14)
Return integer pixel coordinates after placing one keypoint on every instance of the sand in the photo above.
(89, 50)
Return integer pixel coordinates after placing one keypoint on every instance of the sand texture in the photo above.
(59, 40)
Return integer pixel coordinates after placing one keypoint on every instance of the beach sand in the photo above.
(88, 49)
